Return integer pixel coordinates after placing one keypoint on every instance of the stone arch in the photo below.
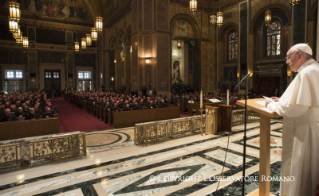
(279, 7)
(188, 19)
(127, 37)
(223, 37)
(313, 11)
(95, 11)
(120, 38)
(112, 44)
(226, 28)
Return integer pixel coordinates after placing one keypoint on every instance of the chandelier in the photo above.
(93, 34)
(213, 19)
(76, 46)
(19, 40)
(17, 34)
(220, 19)
(88, 39)
(25, 42)
(14, 11)
(13, 25)
(83, 43)
(267, 17)
(193, 6)
(99, 23)
(294, 2)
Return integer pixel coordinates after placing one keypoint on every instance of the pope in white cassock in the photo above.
(299, 106)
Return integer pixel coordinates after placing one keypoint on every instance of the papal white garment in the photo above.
(299, 106)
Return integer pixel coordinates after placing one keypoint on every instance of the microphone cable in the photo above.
(229, 134)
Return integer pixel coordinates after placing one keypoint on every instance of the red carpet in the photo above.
(184, 115)
(73, 118)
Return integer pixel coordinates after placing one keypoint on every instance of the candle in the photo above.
(201, 99)
(227, 97)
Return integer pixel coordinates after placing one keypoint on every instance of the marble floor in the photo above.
(185, 166)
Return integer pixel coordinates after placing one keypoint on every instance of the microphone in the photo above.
(257, 71)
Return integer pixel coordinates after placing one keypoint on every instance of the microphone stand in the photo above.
(245, 129)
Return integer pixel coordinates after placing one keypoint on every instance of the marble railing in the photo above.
(25, 151)
(151, 132)
(238, 116)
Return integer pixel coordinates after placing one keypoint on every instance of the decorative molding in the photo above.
(42, 47)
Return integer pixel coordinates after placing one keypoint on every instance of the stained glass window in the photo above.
(232, 45)
(274, 38)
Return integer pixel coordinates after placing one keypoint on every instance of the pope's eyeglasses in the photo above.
(289, 56)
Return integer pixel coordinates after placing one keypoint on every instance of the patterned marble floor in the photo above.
(184, 166)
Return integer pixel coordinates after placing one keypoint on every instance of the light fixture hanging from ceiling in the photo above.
(83, 43)
(25, 42)
(17, 34)
(294, 2)
(267, 17)
(220, 16)
(13, 25)
(94, 34)
(76, 46)
(88, 39)
(19, 40)
(220, 19)
(213, 19)
(193, 6)
(14, 11)
(115, 61)
(99, 23)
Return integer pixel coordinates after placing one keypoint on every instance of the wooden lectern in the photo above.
(264, 150)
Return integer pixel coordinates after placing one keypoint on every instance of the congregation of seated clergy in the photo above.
(25, 106)
(118, 101)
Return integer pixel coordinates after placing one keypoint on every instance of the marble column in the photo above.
(299, 16)
(118, 77)
(150, 39)
(250, 65)
(127, 65)
(243, 14)
(317, 44)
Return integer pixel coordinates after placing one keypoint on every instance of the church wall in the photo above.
(228, 70)
(205, 78)
(48, 46)
(122, 26)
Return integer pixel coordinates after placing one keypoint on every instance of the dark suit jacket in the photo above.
(12, 117)
(34, 116)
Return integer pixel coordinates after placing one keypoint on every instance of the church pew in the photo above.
(100, 112)
(104, 115)
(182, 107)
(109, 113)
(130, 118)
(28, 128)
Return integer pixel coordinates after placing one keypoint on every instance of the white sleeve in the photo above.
(290, 111)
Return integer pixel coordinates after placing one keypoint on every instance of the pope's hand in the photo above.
(275, 99)
(267, 101)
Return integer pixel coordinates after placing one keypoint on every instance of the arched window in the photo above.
(232, 45)
(274, 38)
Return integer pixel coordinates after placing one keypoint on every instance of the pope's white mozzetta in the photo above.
(299, 106)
